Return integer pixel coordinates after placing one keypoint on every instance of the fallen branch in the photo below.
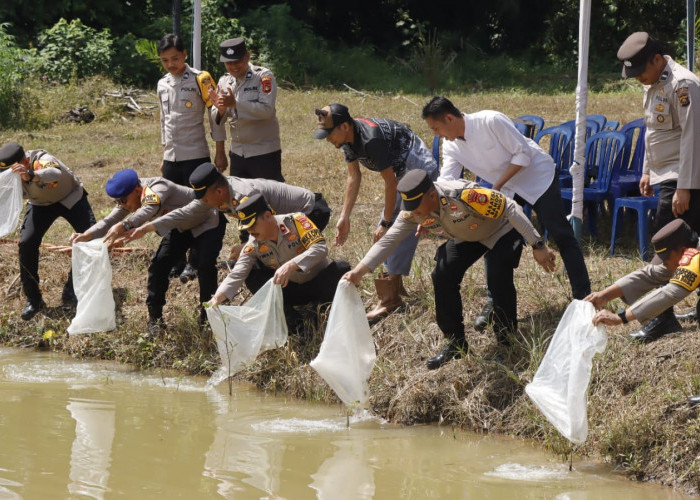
(363, 94)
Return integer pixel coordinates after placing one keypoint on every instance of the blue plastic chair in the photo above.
(611, 125)
(626, 180)
(644, 207)
(523, 128)
(560, 138)
(599, 119)
(436, 149)
(536, 121)
(603, 157)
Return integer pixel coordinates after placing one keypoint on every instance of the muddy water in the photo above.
(97, 430)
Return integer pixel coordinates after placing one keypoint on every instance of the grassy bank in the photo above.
(637, 412)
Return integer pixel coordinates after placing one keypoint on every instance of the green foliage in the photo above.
(71, 49)
(14, 68)
(135, 61)
(215, 29)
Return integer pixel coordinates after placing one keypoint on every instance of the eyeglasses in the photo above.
(120, 201)
(321, 112)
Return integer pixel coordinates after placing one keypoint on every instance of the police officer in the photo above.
(656, 287)
(672, 149)
(392, 149)
(52, 190)
(140, 201)
(478, 220)
(288, 248)
(246, 98)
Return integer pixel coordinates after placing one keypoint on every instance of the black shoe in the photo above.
(663, 324)
(68, 297)
(31, 308)
(694, 400)
(450, 351)
(155, 326)
(485, 317)
(188, 274)
(690, 315)
(176, 270)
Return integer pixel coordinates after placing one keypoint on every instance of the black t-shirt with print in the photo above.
(380, 144)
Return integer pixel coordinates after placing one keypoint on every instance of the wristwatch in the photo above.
(127, 225)
(538, 245)
(385, 224)
(31, 175)
(622, 313)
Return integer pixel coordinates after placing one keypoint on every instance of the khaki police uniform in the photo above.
(253, 123)
(53, 192)
(184, 100)
(478, 221)
(672, 147)
(298, 240)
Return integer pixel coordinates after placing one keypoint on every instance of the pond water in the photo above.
(74, 430)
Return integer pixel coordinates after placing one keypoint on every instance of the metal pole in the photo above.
(691, 35)
(177, 5)
(197, 35)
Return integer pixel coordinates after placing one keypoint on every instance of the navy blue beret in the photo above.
(122, 184)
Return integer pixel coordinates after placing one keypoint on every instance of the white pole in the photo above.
(579, 161)
(197, 36)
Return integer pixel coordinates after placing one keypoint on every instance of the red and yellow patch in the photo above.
(687, 274)
(486, 202)
(39, 164)
(247, 249)
(149, 197)
(266, 82)
(308, 232)
(683, 96)
(263, 248)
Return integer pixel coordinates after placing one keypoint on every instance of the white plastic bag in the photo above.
(243, 332)
(559, 386)
(347, 354)
(92, 282)
(10, 201)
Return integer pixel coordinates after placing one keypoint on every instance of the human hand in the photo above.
(115, 232)
(221, 161)
(283, 273)
(379, 232)
(645, 186)
(598, 299)
(606, 318)
(545, 257)
(342, 229)
(681, 202)
(22, 171)
(79, 237)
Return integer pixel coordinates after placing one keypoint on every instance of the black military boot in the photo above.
(155, 320)
(485, 317)
(694, 400)
(32, 307)
(68, 297)
(656, 328)
(189, 273)
(690, 315)
(452, 350)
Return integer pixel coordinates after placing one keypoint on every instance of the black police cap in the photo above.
(675, 235)
(204, 176)
(232, 50)
(10, 154)
(635, 52)
(250, 209)
(412, 187)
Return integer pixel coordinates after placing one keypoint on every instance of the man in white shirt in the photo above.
(488, 144)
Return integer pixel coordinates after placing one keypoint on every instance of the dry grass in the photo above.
(637, 412)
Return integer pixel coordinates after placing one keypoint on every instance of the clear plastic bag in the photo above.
(347, 353)
(92, 282)
(10, 201)
(560, 384)
(243, 332)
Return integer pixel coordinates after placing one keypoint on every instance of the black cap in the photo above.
(412, 187)
(674, 235)
(635, 52)
(232, 50)
(250, 209)
(204, 176)
(330, 117)
(10, 154)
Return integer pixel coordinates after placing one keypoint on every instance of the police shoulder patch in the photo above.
(39, 164)
(485, 201)
(266, 82)
(687, 274)
(149, 197)
(309, 234)
(248, 248)
(683, 96)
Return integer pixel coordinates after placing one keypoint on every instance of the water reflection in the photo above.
(92, 448)
(346, 475)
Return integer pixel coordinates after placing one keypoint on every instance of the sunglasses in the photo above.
(120, 201)
(321, 112)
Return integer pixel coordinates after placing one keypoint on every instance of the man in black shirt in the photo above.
(392, 149)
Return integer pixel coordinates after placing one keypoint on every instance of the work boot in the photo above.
(388, 286)
(485, 317)
(452, 350)
(155, 320)
(694, 400)
(188, 273)
(690, 315)
(656, 328)
(31, 308)
(68, 297)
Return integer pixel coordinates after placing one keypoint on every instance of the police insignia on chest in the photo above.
(284, 229)
(660, 118)
(263, 248)
(659, 108)
(188, 104)
(473, 226)
(249, 74)
(443, 200)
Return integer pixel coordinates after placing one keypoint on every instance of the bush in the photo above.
(71, 49)
(14, 68)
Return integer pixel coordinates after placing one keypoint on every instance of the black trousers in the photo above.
(452, 261)
(664, 209)
(173, 247)
(179, 171)
(37, 220)
(267, 166)
(319, 290)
